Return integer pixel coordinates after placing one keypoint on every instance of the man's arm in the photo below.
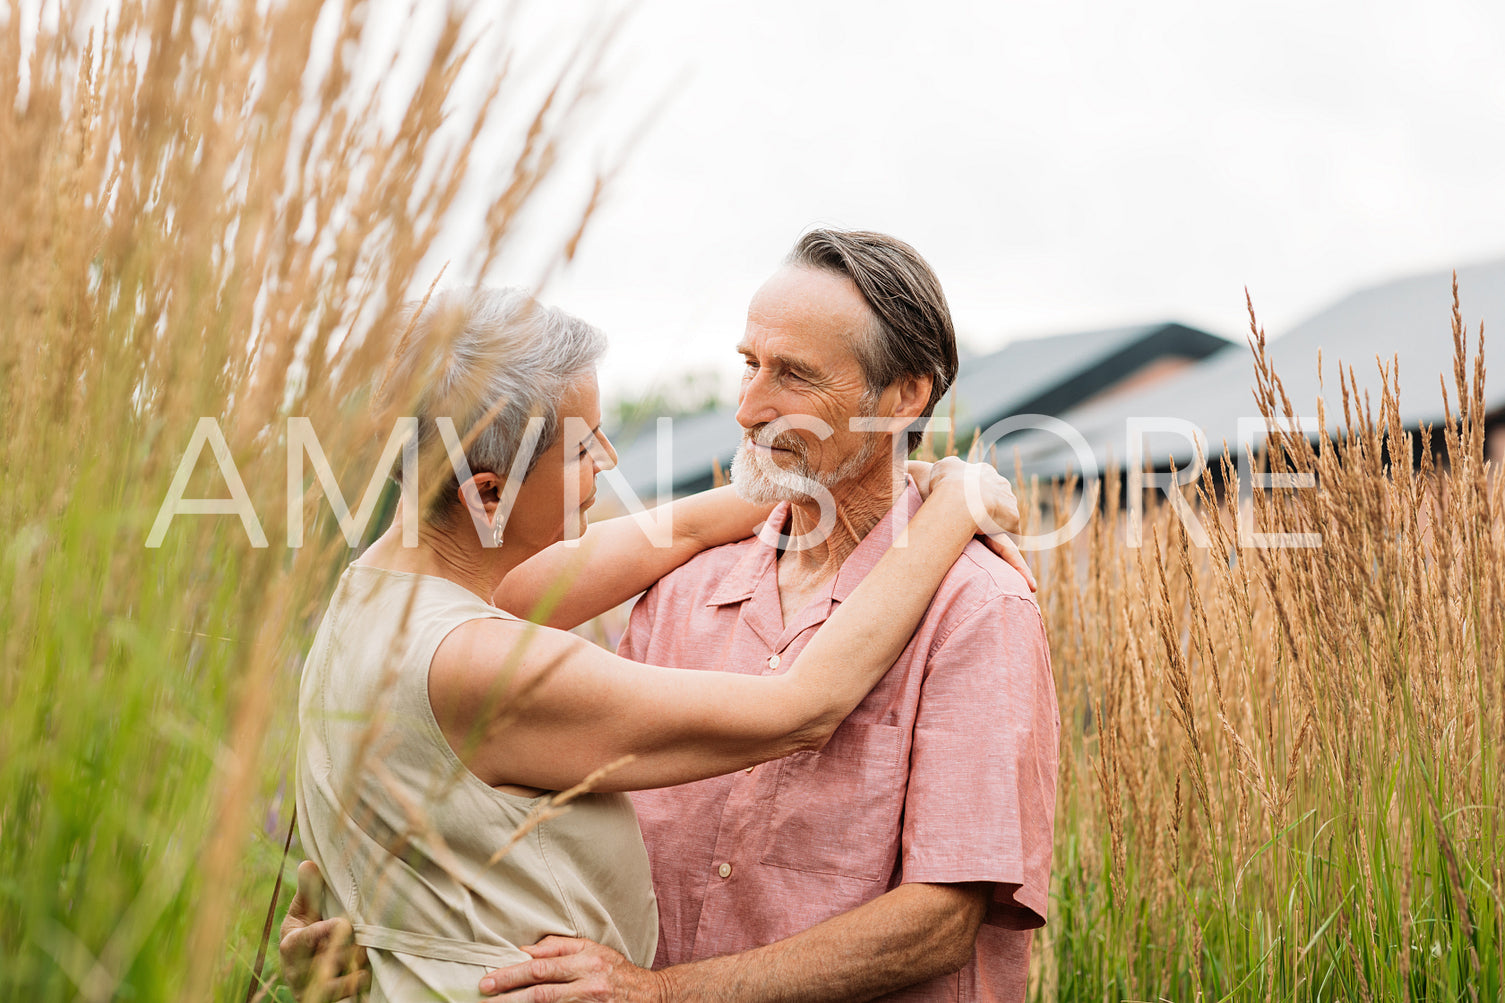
(320, 960)
(913, 933)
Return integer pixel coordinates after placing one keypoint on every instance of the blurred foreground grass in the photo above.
(206, 212)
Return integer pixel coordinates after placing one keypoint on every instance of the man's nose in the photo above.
(755, 402)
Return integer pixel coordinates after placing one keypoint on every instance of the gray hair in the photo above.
(490, 360)
(912, 333)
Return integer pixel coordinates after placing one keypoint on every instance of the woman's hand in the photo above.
(997, 492)
(989, 500)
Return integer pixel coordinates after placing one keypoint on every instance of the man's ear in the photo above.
(910, 394)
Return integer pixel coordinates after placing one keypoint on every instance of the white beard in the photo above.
(760, 480)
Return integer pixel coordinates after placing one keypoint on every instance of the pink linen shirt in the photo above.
(945, 773)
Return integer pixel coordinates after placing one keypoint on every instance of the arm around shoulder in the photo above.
(524, 704)
(615, 559)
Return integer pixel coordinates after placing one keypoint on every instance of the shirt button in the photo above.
(725, 870)
(773, 661)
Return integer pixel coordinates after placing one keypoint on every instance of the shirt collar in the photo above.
(741, 582)
(873, 546)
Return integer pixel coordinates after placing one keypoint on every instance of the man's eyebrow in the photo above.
(784, 362)
(798, 366)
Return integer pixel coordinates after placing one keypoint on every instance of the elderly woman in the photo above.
(435, 724)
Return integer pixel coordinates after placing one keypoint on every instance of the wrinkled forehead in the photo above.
(806, 313)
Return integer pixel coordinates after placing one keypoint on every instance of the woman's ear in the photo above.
(481, 496)
(481, 493)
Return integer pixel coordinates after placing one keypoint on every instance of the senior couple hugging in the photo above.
(821, 764)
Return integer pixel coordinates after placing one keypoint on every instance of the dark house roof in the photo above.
(1408, 319)
(1053, 374)
(1037, 375)
(694, 441)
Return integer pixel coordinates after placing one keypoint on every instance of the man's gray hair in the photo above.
(490, 360)
(912, 333)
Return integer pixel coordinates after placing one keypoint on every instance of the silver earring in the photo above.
(497, 525)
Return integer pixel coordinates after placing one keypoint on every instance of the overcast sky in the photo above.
(1064, 165)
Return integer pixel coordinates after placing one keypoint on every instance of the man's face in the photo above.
(798, 358)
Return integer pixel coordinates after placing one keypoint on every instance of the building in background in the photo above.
(1406, 323)
(1054, 375)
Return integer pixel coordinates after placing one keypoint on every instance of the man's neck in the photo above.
(861, 503)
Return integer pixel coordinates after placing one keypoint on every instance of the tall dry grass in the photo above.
(1281, 767)
(206, 210)
(1281, 771)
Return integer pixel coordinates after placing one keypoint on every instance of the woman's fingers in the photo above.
(1007, 549)
(321, 961)
(989, 495)
(1003, 511)
(919, 472)
(997, 495)
(308, 901)
(991, 504)
(305, 933)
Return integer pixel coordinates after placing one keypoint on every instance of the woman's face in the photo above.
(562, 486)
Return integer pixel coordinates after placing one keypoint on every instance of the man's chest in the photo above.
(837, 811)
(747, 641)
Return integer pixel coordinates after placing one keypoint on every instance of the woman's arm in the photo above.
(615, 559)
(562, 707)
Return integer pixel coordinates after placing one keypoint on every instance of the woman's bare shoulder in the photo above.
(501, 640)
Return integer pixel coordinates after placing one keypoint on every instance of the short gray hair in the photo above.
(487, 356)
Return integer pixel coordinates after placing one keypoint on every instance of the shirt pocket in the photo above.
(838, 811)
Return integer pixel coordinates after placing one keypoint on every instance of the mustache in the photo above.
(787, 439)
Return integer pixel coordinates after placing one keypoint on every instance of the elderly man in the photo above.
(910, 858)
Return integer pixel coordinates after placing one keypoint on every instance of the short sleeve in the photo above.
(634, 642)
(982, 780)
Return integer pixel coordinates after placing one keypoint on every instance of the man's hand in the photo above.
(996, 496)
(320, 960)
(566, 970)
(905, 936)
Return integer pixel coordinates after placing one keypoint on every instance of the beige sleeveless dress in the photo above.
(405, 835)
